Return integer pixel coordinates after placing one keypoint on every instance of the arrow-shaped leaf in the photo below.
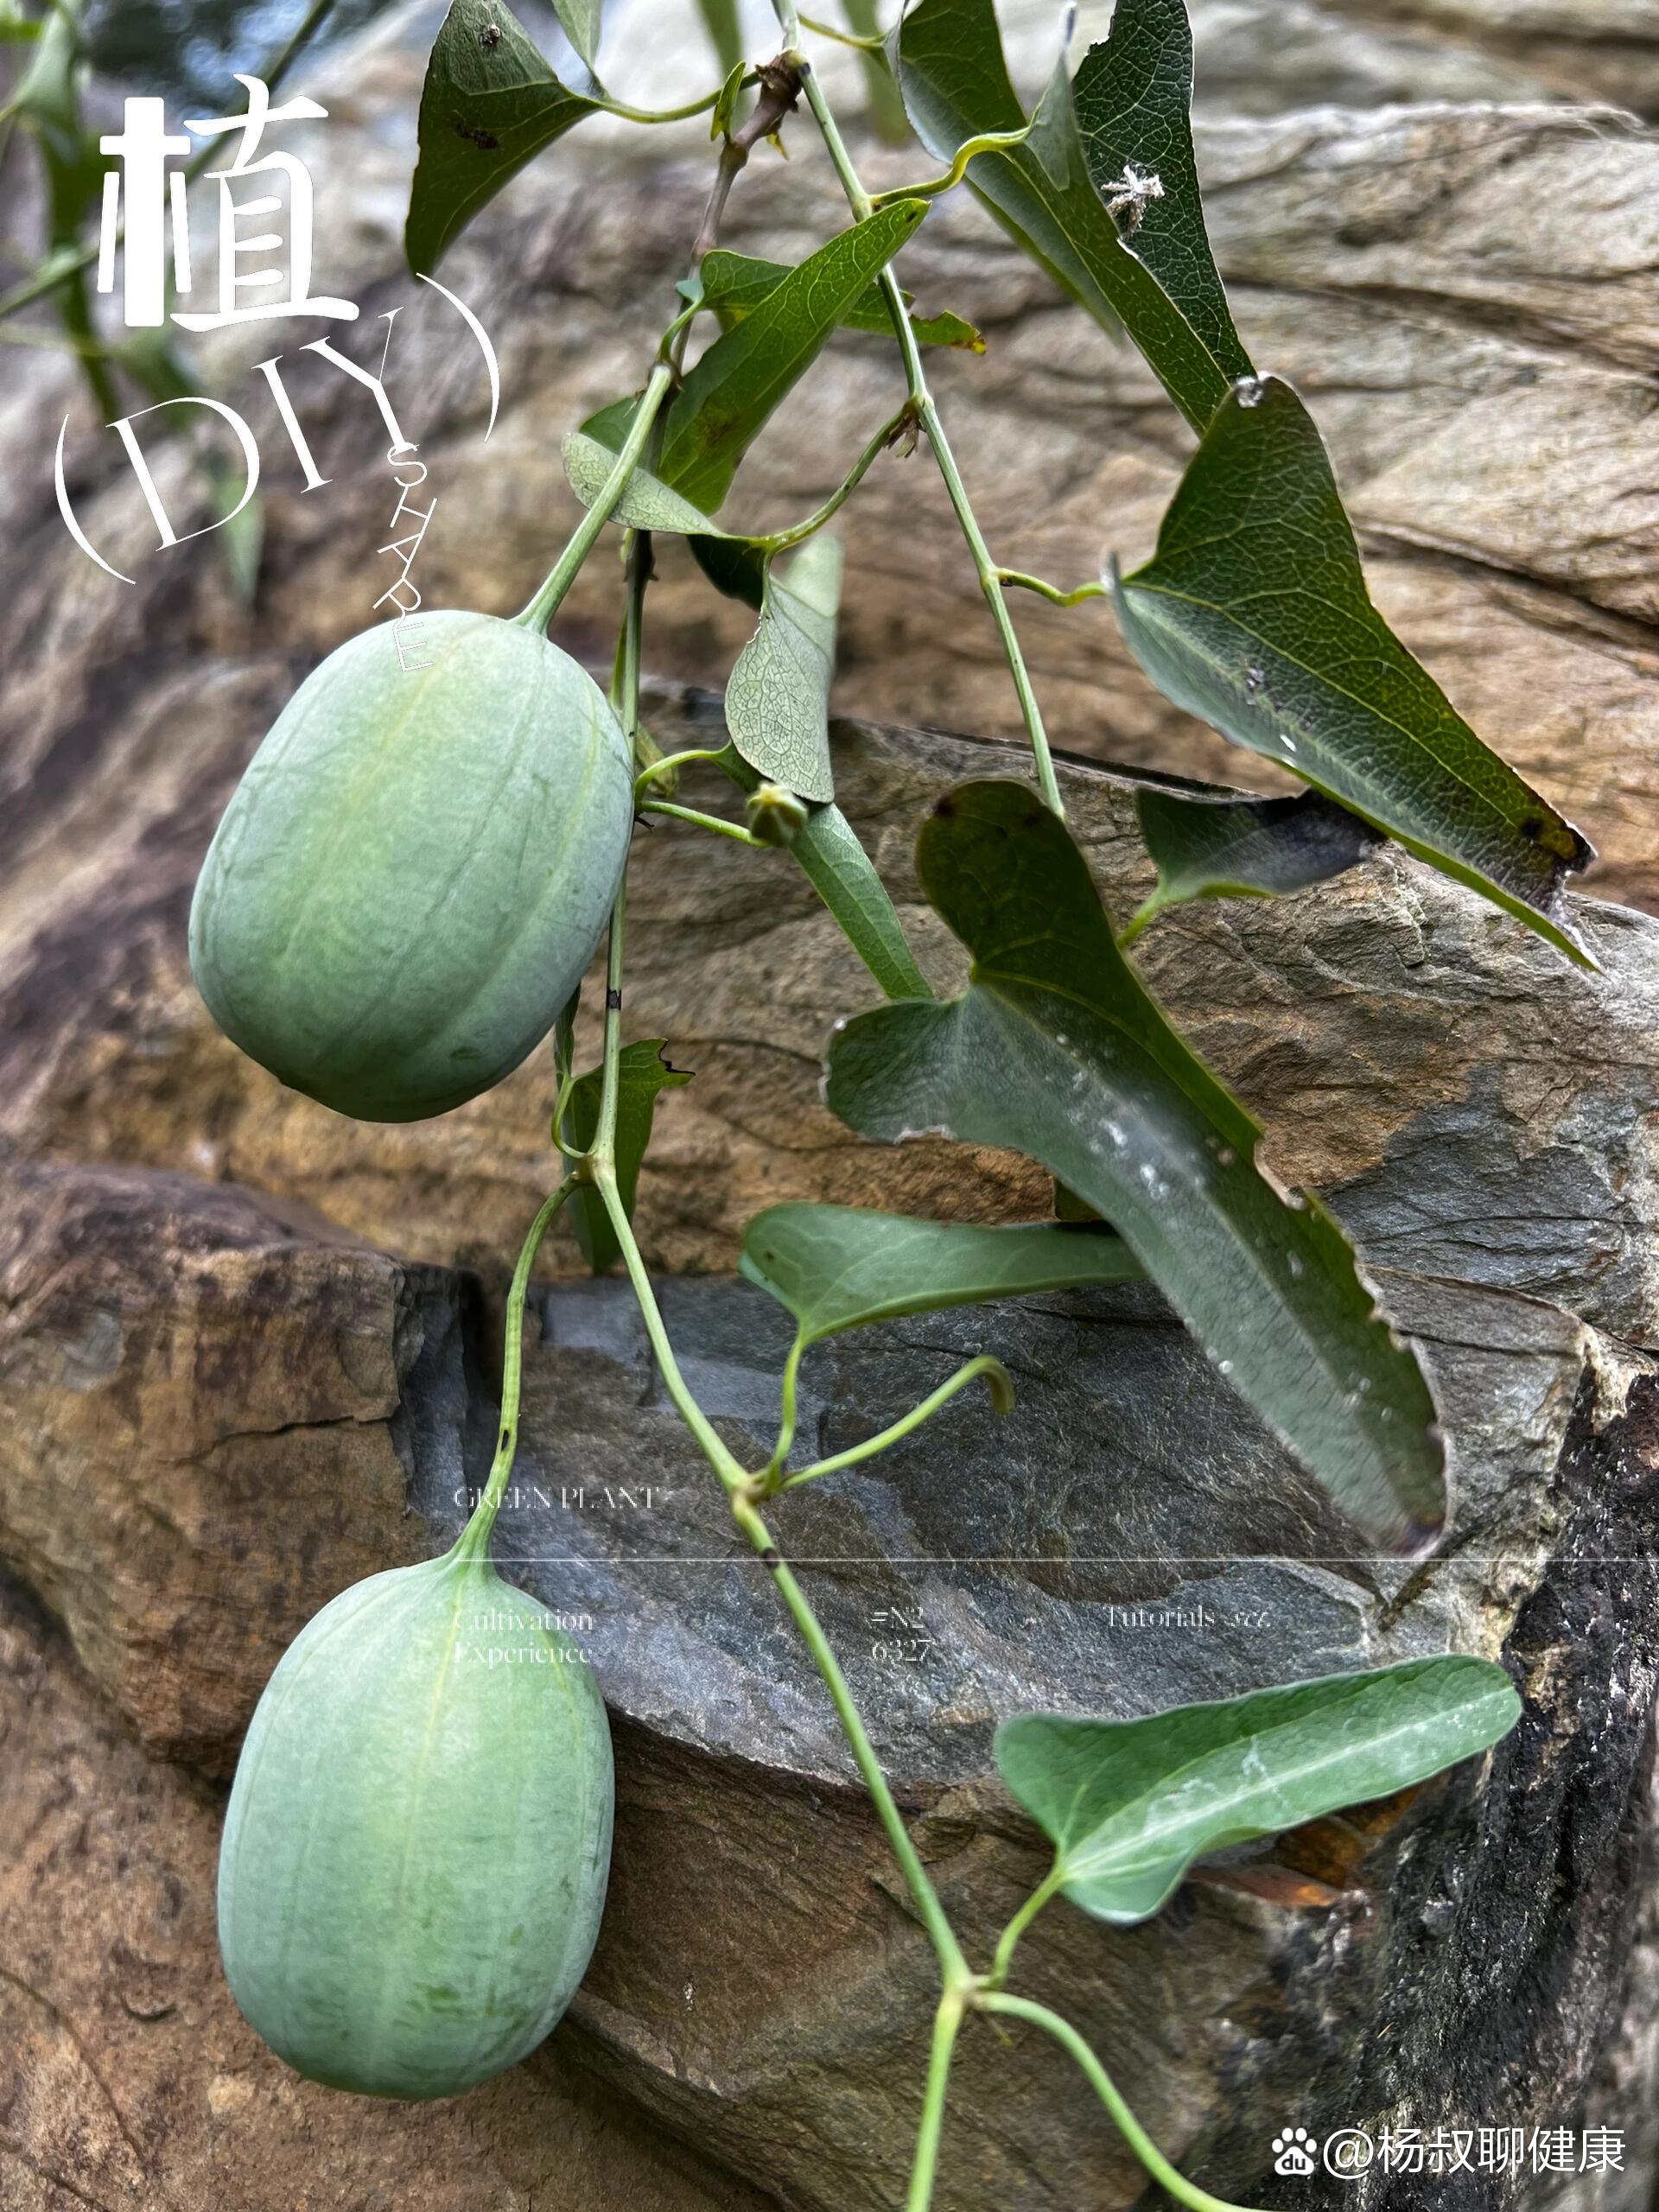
(642, 1075)
(778, 700)
(837, 1267)
(1129, 1804)
(1056, 1050)
(1134, 96)
(489, 103)
(957, 87)
(1254, 614)
(733, 285)
(730, 394)
(1245, 848)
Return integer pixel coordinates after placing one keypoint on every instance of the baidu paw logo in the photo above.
(1296, 2151)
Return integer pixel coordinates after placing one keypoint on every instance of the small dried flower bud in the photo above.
(774, 816)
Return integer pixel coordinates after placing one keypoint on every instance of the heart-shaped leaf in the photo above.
(1056, 1050)
(489, 103)
(1254, 615)
(957, 87)
(777, 701)
(730, 394)
(646, 502)
(733, 285)
(837, 1267)
(642, 1075)
(1245, 848)
(1134, 94)
(1129, 1804)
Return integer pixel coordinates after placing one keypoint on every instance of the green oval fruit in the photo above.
(417, 867)
(418, 1837)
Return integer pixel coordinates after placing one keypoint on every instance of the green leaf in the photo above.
(1254, 615)
(957, 87)
(727, 398)
(735, 566)
(843, 875)
(489, 103)
(1134, 96)
(721, 122)
(1246, 847)
(735, 284)
(1129, 1804)
(837, 1267)
(646, 503)
(642, 1075)
(580, 22)
(719, 18)
(47, 101)
(1056, 1050)
(778, 700)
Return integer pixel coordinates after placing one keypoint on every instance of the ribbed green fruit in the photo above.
(416, 869)
(419, 1835)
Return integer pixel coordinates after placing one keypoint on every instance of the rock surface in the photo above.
(131, 2080)
(212, 1415)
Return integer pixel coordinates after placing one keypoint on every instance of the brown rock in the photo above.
(212, 1410)
(127, 2075)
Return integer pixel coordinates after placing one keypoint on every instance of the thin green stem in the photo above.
(1002, 1398)
(671, 763)
(871, 44)
(731, 1473)
(780, 1450)
(952, 1964)
(474, 1539)
(989, 141)
(1139, 920)
(661, 114)
(1053, 592)
(1046, 1892)
(560, 577)
(781, 540)
(989, 574)
(733, 829)
(1183, 2191)
(947, 2022)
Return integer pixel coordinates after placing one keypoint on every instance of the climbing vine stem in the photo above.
(990, 576)
(962, 1990)
(475, 1536)
(1183, 2191)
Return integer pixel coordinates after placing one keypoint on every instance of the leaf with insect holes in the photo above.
(646, 503)
(642, 1075)
(1133, 95)
(733, 285)
(844, 876)
(1224, 848)
(1056, 1050)
(727, 398)
(489, 104)
(957, 87)
(778, 700)
(838, 1268)
(1253, 614)
(1128, 1805)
